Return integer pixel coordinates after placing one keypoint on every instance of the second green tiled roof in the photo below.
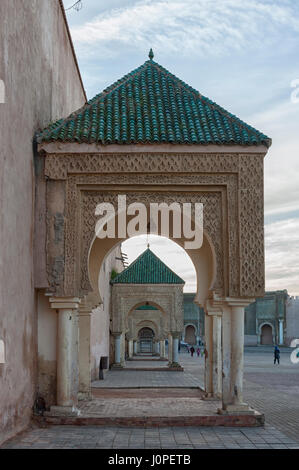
(147, 269)
(151, 105)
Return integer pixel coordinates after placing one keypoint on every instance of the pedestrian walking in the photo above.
(276, 354)
(192, 350)
(198, 352)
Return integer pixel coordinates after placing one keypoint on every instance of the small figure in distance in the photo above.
(276, 354)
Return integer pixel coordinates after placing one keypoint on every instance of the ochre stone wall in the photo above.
(42, 83)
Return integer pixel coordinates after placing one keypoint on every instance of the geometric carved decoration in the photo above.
(229, 185)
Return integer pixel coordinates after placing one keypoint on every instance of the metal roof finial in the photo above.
(151, 54)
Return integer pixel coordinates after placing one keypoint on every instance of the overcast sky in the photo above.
(243, 54)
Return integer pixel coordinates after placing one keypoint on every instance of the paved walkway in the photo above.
(153, 407)
(273, 390)
(142, 379)
(100, 437)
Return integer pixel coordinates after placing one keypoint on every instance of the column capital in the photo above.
(239, 302)
(67, 303)
(116, 333)
(176, 334)
(85, 308)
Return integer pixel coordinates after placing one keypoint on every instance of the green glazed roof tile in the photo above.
(146, 307)
(151, 105)
(147, 269)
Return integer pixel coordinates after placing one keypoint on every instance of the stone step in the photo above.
(243, 420)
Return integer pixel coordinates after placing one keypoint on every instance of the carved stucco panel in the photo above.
(251, 226)
(245, 261)
(58, 166)
(212, 220)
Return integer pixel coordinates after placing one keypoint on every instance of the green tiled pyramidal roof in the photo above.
(147, 269)
(151, 105)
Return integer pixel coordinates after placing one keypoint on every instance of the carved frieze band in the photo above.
(60, 166)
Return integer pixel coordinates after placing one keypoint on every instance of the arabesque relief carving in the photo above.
(229, 185)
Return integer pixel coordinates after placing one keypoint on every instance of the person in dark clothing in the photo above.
(192, 350)
(276, 354)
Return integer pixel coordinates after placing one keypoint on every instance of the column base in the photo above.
(57, 410)
(175, 365)
(84, 396)
(212, 397)
(117, 365)
(241, 408)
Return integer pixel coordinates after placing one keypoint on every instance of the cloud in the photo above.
(280, 121)
(282, 255)
(281, 246)
(198, 27)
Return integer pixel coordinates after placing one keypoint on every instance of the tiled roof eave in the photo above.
(148, 106)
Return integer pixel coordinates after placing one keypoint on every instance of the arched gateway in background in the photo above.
(147, 282)
(156, 139)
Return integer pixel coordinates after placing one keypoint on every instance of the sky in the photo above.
(242, 54)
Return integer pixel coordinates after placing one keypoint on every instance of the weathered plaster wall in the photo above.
(41, 83)
(47, 346)
(292, 319)
(100, 317)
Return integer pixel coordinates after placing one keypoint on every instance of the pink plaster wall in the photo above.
(42, 83)
(100, 317)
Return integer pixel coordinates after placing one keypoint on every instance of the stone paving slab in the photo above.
(93, 437)
(143, 378)
(159, 407)
(147, 392)
(139, 364)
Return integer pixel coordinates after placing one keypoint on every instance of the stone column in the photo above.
(84, 352)
(130, 348)
(232, 401)
(280, 331)
(162, 348)
(175, 349)
(122, 348)
(169, 349)
(135, 348)
(226, 354)
(217, 357)
(117, 350)
(156, 348)
(213, 328)
(67, 354)
(208, 355)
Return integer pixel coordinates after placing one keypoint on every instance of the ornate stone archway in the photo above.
(200, 154)
(167, 298)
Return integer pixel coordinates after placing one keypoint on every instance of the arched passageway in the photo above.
(190, 336)
(266, 334)
(146, 337)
